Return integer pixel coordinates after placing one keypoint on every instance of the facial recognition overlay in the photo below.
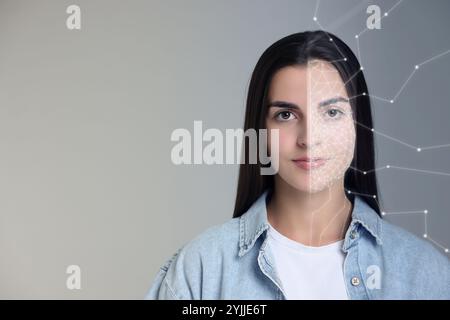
(374, 22)
(121, 126)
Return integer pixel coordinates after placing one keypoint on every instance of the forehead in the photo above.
(318, 77)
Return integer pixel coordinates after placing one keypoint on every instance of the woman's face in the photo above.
(309, 105)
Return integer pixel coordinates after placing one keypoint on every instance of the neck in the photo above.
(314, 219)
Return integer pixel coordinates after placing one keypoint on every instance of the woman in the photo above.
(313, 230)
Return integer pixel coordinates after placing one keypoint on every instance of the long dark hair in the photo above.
(298, 49)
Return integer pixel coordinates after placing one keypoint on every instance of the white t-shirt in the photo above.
(308, 272)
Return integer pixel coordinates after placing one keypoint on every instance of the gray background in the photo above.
(86, 118)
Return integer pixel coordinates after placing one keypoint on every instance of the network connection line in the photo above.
(391, 101)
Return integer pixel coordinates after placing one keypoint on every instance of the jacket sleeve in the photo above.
(162, 287)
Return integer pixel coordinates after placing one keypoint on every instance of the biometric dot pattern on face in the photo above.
(332, 131)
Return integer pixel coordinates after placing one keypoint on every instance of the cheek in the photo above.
(287, 140)
(341, 140)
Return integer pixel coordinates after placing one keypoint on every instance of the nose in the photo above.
(309, 133)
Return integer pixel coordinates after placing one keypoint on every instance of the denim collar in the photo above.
(254, 222)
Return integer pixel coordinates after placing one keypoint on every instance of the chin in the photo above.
(306, 181)
(306, 186)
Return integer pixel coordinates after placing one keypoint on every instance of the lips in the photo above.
(307, 163)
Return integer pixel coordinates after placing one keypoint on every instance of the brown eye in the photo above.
(284, 116)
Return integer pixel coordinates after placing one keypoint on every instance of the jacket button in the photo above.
(353, 234)
(355, 281)
(245, 247)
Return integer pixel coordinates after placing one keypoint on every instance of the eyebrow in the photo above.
(290, 105)
(283, 104)
(332, 100)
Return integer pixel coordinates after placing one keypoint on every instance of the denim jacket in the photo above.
(233, 261)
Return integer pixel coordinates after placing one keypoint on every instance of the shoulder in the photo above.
(217, 236)
(181, 276)
(397, 241)
(415, 259)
